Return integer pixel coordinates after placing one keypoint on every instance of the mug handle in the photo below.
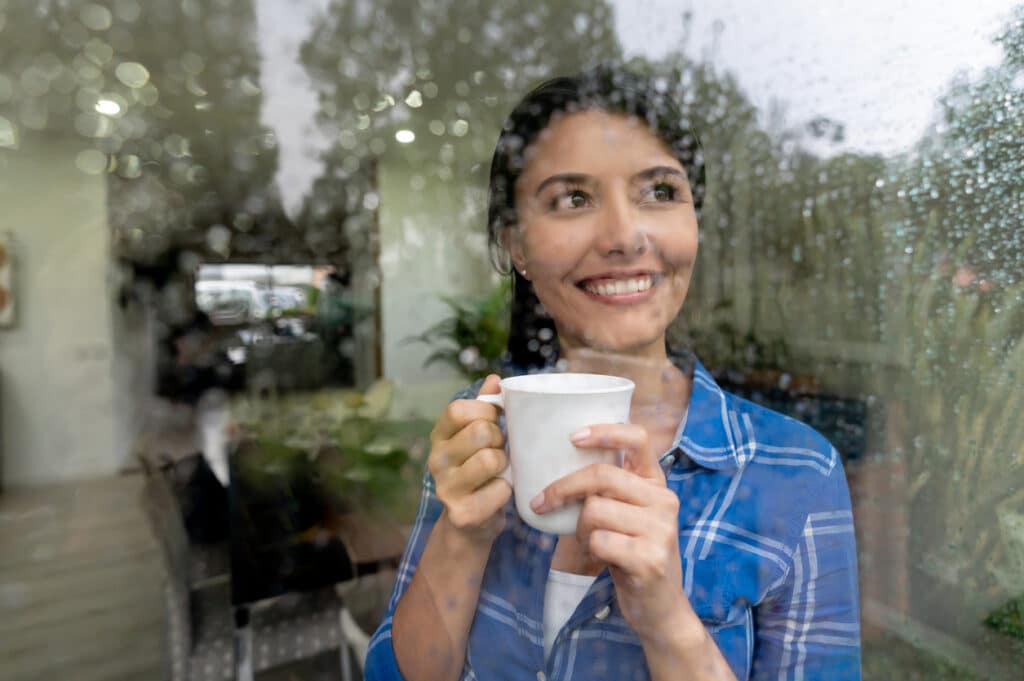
(499, 402)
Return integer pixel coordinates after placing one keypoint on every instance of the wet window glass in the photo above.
(577, 340)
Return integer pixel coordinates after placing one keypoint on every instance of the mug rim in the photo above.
(617, 384)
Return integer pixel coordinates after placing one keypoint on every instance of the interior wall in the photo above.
(58, 396)
(433, 244)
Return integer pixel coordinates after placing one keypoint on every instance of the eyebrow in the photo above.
(565, 178)
(659, 171)
(581, 178)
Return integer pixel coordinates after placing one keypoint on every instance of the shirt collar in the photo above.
(705, 435)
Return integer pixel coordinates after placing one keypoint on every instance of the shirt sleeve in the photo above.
(808, 627)
(381, 664)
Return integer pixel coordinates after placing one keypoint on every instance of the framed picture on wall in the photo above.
(6, 283)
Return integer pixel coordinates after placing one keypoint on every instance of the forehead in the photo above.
(595, 142)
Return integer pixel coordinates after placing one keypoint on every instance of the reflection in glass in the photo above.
(186, 238)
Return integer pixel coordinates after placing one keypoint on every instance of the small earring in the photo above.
(522, 273)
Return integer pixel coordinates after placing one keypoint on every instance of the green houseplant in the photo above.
(472, 338)
(341, 439)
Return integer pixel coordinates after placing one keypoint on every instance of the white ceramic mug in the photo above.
(542, 411)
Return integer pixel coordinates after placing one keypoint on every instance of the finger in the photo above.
(620, 550)
(458, 414)
(494, 495)
(639, 558)
(475, 436)
(483, 504)
(448, 455)
(479, 469)
(628, 437)
(602, 513)
(597, 479)
(491, 385)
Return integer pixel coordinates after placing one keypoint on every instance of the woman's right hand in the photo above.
(466, 455)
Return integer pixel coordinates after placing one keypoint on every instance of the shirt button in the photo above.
(541, 676)
(603, 613)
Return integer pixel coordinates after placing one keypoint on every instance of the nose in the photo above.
(621, 232)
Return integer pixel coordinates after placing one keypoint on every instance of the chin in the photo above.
(616, 341)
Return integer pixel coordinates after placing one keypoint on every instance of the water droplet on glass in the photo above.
(91, 124)
(132, 74)
(130, 166)
(218, 239)
(8, 134)
(248, 87)
(95, 17)
(414, 99)
(91, 161)
(73, 34)
(192, 63)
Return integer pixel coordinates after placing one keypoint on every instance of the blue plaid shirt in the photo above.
(767, 547)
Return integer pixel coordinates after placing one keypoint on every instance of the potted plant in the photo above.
(473, 338)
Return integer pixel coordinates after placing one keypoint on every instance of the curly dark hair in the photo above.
(608, 87)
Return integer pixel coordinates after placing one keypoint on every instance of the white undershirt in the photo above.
(562, 595)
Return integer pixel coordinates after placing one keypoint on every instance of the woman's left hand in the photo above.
(630, 520)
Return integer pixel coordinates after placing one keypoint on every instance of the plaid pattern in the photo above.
(767, 547)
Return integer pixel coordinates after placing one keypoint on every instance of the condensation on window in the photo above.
(244, 266)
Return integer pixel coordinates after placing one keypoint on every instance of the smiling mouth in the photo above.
(619, 289)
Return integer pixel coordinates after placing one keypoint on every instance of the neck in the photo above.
(655, 375)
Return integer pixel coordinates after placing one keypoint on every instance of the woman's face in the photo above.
(607, 231)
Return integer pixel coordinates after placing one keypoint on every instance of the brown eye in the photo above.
(572, 199)
(664, 192)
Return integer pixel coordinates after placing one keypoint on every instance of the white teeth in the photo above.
(621, 287)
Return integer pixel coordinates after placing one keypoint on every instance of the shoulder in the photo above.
(771, 439)
(792, 474)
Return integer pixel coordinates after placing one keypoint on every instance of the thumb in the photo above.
(491, 385)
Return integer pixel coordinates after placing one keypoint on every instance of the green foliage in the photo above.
(474, 336)
(1009, 619)
(343, 439)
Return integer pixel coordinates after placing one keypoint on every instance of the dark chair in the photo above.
(203, 639)
(209, 562)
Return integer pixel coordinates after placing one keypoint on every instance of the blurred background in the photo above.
(243, 267)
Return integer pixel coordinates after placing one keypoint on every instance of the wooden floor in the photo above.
(80, 594)
(79, 584)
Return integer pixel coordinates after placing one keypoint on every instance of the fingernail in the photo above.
(537, 503)
(580, 435)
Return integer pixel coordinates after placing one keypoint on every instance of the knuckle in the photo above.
(436, 462)
(458, 516)
(458, 411)
(495, 461)
(593, 506)
(480, 432)
(603, 472)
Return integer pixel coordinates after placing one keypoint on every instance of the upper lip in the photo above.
(617, 275)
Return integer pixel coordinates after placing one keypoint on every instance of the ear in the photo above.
(512, 241)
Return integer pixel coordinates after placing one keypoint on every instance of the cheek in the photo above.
(552, 254)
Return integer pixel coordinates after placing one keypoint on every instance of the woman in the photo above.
(723, 548)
